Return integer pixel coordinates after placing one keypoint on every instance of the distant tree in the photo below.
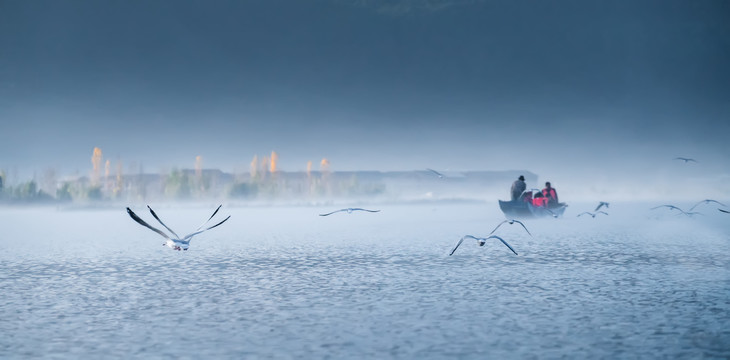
(26, 191)
(177, 185)
(63, 193)
(94, 193)
(244, 190)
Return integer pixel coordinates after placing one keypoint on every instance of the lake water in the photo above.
(284, 283)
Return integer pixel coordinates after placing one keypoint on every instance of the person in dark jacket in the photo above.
(550, 193)
(518, 187)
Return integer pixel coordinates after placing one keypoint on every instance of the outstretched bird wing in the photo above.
(602, 204)
(206, 229)
(706, 201)
(436, 172)
(361, 209)
(523, 226)
(503, 242)
(206, 221)
(500, 224)
(143, 223)
(512, 221)
(330, 213)
(163, 224)
(725, 211)
(457, 245)
(461, 241)
(671, 207)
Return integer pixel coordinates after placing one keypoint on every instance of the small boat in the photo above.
(528, 207)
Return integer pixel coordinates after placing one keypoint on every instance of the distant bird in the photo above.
(671, 207)
(602, 204)
(349, 211)
(706, 201)
(510, 222)
(175, 243)
(481, 242)
(725, 211)
(529, 191)
(686, 160)
(593, 215)
(440, 175)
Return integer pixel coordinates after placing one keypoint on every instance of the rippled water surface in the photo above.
(283, 282)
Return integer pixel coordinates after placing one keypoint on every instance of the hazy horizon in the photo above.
(586, 94)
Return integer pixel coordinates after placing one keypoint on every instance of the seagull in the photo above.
(706, 201)
(602, 204)
(530, 191)
(686, 160)
(349, 211)
(725, 211)
(481, 242)
(440, 175)
(510, 222)
(671, 207)
(175, 243)
(593, 215)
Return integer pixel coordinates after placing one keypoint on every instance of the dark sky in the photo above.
(546, 86)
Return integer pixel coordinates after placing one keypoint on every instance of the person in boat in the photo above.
(540, 200)
(518, 187)
(551, 194)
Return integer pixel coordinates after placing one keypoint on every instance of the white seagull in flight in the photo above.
(481, 242)
(672, 207)
(686, 160)
(593, 215)
(602, 204)
(349, 211)
(706, 201)
(510, 222)
(175, 243)
(440, 175)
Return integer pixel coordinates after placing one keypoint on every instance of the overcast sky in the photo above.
(554, 87)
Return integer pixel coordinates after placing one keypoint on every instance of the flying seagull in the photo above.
(510, 222)
(175, 243)
(672, 207)
(692, 213)
(593, 215)
(530, 191)
(349, 211)
(686, 160)
(481, 242)
(440, 175)
(602, 204)
(706, 201)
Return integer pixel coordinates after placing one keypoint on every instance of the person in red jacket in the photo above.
(550, 193)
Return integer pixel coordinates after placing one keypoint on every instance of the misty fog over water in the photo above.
(284, 282)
